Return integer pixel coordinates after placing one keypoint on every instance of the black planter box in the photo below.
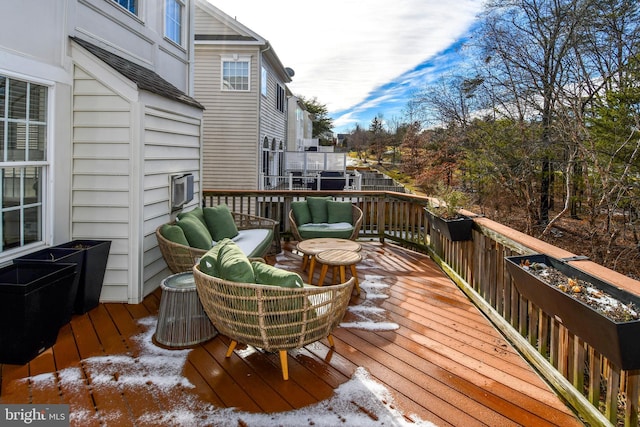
(32, 306)
(456, 230)
(59, 256)
(618, 341)
(94, 264)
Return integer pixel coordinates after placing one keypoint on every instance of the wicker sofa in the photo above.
(255, 236)
(342, 219)
(276, 313)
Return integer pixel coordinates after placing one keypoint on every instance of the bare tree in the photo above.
(528, 48)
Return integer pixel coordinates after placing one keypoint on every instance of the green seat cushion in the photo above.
(266, 274)
(301, 212)
(339, 212)
(318, 209)
(196, 212)
(174, 234)
(339, 230)
(233, 264)
(220, 223)
(196, 232)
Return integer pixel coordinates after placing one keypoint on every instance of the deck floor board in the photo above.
(445, 362)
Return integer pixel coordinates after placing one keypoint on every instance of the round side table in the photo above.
(182, 321)
(311, 247)
(339, 259)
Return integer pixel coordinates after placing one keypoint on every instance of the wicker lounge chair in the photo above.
(180, 258)
(356, 221)
(270, 317)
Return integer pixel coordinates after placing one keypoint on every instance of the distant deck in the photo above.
(446, 363)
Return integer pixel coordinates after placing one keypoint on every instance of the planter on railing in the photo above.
(456, 230)
(95, 255)
(59, 256)
(618, 341)
(33, 299)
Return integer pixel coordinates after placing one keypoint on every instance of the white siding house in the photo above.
(242, 84)
(119, 121)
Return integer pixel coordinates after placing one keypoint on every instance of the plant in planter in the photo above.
(603, 315)
(444, 216)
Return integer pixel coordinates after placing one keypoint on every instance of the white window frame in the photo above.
(235, 58)
(169, 20)
(45, 166)
(136, 4)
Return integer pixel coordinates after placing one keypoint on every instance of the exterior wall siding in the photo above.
(171, 146)
(230, 141)
(100, 173)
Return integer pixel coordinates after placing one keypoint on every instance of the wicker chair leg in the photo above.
(284, 365)
(232, 347)
(332, 344)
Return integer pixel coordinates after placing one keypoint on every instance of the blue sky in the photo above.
(360, 59)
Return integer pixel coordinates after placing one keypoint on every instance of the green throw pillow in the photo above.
(318, 209)
(196, 212)
(301, 212)
(234, 265)
(220, 223)
(174, 234)
(196, 232)
(339, 212)
(269, 275)
(209, 262)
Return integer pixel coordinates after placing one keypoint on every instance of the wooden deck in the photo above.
(445, 363)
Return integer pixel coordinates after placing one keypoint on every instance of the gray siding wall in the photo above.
(272, 121)
(231, 121)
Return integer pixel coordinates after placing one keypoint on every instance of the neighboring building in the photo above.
(95, 117)
(300, 125)
(242, 84)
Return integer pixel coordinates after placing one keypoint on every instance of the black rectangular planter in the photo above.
(59, 256)
(94, 264)
(32, 306)
(618, 341)
(456, 230)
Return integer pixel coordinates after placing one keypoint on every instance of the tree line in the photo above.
(545, 109)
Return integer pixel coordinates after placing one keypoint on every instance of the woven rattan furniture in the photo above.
(311, 247)
(339, 259)
(180, 258)
(356, 221)
(182, 321)
(270, 317)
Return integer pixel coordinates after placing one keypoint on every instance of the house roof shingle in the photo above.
(144, 78)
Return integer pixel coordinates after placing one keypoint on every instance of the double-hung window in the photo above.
(23, 161)
(173, 14)
(235, 73)
(130, 5)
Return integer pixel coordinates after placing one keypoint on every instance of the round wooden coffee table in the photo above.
(339, 259)
(311, 247)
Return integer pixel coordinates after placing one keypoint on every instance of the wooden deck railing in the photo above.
(602, 393)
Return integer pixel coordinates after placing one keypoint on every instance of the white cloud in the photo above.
(343, 50)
